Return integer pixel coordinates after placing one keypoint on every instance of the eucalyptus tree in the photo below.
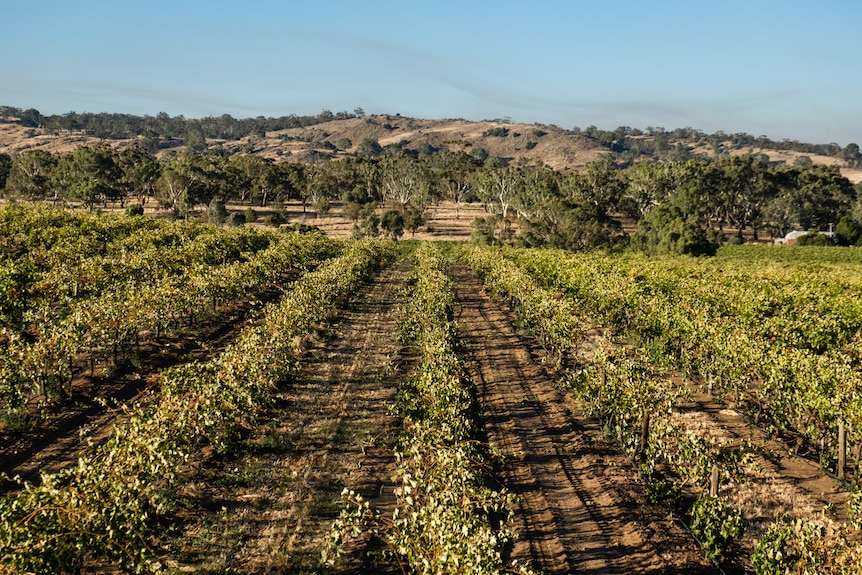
(455, 173)
(736, 188)
(498, 187)
(5, 167)
(405, 180)
(258, 178)
(648, 184)
(30, 176)
(89, 174)
(140, 171)
(808, 197)
(182, 183)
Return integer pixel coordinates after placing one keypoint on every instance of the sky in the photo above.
(785, 69)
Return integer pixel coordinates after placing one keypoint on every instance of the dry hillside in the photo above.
(561, 149)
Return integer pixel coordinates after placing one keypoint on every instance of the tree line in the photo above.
(162, 130)
(680, 144)
(677, 206)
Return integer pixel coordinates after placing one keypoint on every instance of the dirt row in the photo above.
(581, 509)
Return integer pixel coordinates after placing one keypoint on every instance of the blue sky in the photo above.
(784, 69)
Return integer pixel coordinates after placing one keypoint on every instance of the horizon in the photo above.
(783, 70)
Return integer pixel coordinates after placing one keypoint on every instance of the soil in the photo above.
(581, 508)
(268, 510)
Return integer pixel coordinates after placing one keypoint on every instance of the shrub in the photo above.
(813, 239)
(236, 219)
(498, 132)
(135, 210)
(250, 215)
(716, 524)
(216, 213)
(274, 220)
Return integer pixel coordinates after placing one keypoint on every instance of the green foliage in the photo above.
(662, 492)
(250, 215)
(273, 220)
(235, 219)
(814, 239)
(103, 508)
(497, 132)
(664, 231)
(392, 223)
(442, 522)
(819, 547)
(5, 168)
(216, 212)
(716, 524)
(848, 232)
(369, 148)
(135, 210)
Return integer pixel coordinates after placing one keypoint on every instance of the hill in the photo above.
(350, 135)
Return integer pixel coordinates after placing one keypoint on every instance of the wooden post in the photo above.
(644, 435)
(842, 449)
(713, 483)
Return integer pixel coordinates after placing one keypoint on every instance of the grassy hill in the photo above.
(561, 149)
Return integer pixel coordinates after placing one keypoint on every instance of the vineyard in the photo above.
(181, 397)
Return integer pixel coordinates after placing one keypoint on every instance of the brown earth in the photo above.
(268, 510)
(581, 506)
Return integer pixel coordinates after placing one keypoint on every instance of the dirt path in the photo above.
(268, 509)
(580, 509)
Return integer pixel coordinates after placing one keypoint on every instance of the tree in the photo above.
(413, 219)
(651, 183)
(258, 178)
(216, 212)
(90, 174)
(808, 197)
(5, 168)
(851, 155)
(739, 185)
(392, 223)
(405, 180)
(369, 148)
(665, 230)
(140, 170)
(497, 188)
(30, 176)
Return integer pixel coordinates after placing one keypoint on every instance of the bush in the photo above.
(814, 239)
(250, 215)
(716, 524)
(216, 213)
(662, 492)
(236, 219)
(135, 210)
(392, 223)
(798, 546)
(498, 132)
(274, 220)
